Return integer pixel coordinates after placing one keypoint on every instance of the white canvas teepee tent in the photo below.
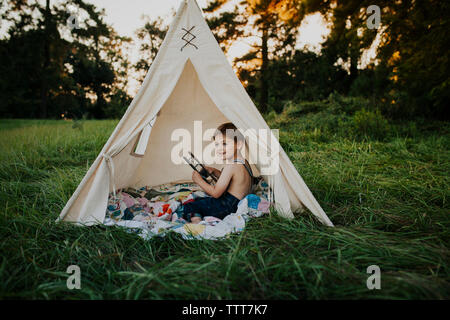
(189, 80)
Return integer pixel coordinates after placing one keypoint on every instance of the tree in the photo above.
(254, 19)
(412, 49)
(53, 68)
(151, 36)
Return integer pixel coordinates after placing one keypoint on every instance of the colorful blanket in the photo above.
(154, 211)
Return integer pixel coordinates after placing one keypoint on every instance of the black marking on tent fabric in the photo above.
(188, 32)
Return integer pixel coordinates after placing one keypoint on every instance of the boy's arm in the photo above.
(221, 185)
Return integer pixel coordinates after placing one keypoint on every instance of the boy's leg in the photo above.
(209, 206)
(193, 209)
(196, 219)
(223, 206)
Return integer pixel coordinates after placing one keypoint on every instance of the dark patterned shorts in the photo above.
(209, 206)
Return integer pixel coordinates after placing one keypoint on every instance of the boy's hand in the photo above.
(196, 177)
(209, 169)
(215, 172)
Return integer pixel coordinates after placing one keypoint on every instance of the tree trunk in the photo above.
(264, 94)
(353, 67)
(46, 64)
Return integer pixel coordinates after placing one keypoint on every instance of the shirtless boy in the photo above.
(234, 181)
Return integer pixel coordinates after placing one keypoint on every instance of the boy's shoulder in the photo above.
(231, 167)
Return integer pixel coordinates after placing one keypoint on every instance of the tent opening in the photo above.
(188, 111)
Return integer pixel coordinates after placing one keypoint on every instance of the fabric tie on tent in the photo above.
(120, 146)
(110, 163)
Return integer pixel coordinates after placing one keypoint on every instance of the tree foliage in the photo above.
(411, 45)
(51, 69)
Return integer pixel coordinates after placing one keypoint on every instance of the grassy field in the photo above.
(385, 186)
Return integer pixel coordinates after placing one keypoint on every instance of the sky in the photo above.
(126, 17)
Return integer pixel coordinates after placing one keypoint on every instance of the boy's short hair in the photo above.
(229, 130)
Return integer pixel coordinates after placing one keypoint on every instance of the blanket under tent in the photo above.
(157, 210)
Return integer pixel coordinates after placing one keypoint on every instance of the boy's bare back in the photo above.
(240, 183)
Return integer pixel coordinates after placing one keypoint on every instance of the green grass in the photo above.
(388, 198)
